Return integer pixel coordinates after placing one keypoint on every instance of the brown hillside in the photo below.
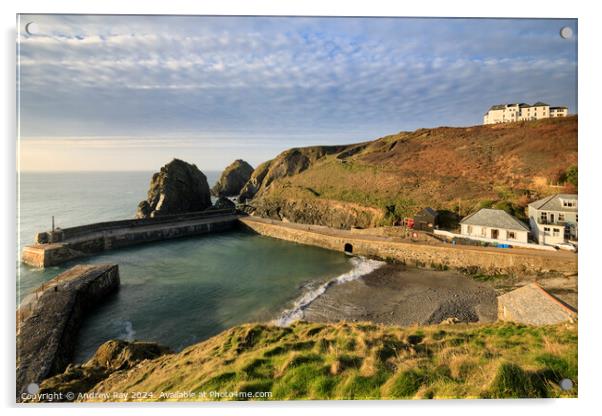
(458, 169)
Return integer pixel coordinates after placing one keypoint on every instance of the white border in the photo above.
(589, 156)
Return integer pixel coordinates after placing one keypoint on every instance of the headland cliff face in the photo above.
(383, 181)
(288, 163)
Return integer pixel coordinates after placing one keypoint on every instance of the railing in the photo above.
(548, 222)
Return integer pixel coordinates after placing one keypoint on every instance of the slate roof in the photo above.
(533, 305)
(428, 210)
(494, 218)
(521, 105)
(562, 107)
(552, 203)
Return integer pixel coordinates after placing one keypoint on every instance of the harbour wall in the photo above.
(71, 243)
(474, 259)
(66, 234)
(49, 319)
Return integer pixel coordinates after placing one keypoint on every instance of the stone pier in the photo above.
(49, 319)
(61, 245)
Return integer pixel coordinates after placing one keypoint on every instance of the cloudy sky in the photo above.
(132, 92)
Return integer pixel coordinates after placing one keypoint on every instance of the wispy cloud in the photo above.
(352, 79)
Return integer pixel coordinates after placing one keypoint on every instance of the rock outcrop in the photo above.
(113, 355)
(335, 214)
(223, 203)
(178, 187)
(288, 163)
(233, 178)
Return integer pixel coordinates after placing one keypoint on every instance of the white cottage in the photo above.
(495, 225)
(554, 220)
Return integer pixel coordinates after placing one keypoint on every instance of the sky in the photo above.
(133, 92)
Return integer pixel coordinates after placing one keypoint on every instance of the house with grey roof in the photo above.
(554, 219)
(495, 225)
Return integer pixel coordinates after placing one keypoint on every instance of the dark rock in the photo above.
(113, 355)
(334, 214)
(224, 203)
(254, 183)
(120, 355)
(233, 178)
(178, 187)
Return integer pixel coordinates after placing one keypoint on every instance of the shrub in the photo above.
(572, 176)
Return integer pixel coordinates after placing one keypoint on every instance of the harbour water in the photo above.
(176, 292)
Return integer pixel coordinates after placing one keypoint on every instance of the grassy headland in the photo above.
(365, 361)
(457, 169)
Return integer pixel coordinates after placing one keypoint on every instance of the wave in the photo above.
(129, 332)
(361, 267)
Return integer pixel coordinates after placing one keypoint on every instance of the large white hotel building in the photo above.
(506, 113)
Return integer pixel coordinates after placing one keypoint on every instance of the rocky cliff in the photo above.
(288, 163)
(456, 169)
(334, 214)
(233, 178)
(177, 187)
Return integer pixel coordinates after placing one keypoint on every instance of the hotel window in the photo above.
(469, 229)
(544, 216)
(510, 235)
(546, 229)
(560, 217)
(556, 232)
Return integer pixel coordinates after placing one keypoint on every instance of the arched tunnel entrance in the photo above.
(348, 248)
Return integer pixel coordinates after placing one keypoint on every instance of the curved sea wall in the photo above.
(477, 259)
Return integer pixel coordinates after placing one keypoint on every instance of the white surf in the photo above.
(361, 267)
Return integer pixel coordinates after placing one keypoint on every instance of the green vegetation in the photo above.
(489, 277)
(572, 176)
(367, 361)
(568, 176)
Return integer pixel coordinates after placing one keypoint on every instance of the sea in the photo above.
(176, 292)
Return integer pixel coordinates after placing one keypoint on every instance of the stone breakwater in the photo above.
(49, 319)
(56, 247)
(475, 259)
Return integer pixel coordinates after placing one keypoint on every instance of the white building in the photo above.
(554, 219)
(495, 225)
(507, 113)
